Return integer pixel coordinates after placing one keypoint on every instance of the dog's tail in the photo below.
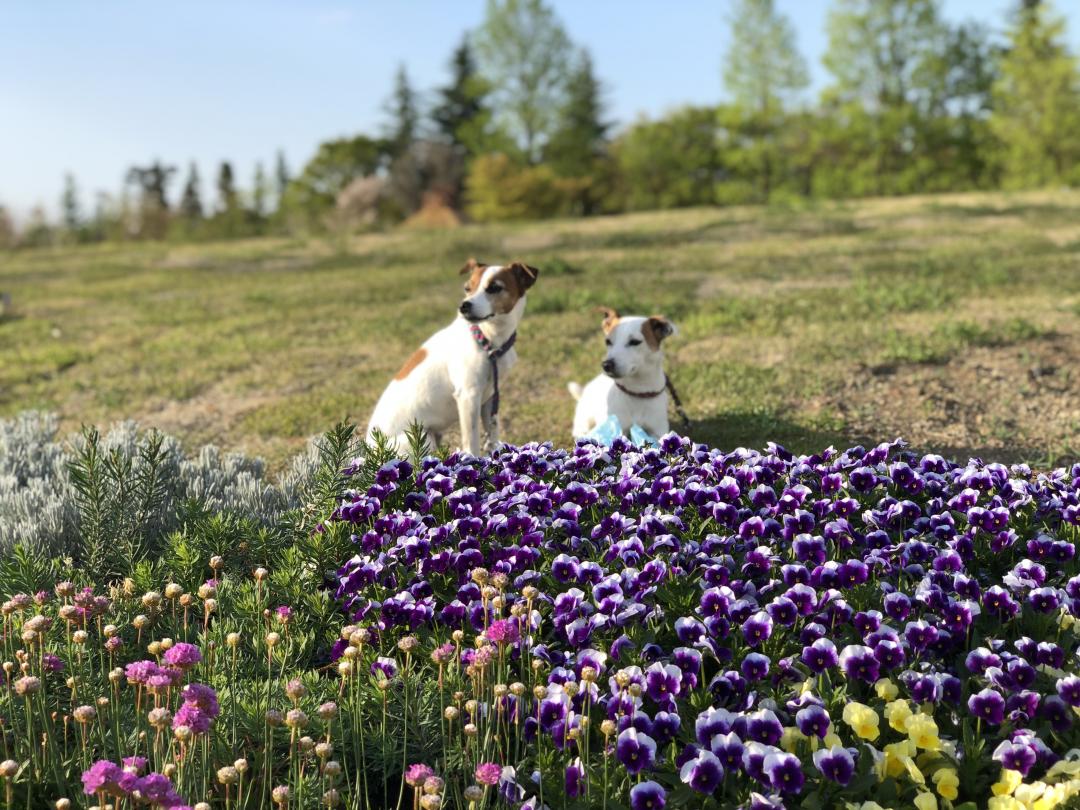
(575, 390)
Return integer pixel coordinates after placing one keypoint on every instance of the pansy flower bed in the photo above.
(681, 626)
(610, 627)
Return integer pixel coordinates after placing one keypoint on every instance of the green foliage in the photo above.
(671, 162)
(404, 115)
(313, 193)
(462, 114)
(1036, 111)
(499, 190)
(762, 68)
(577, 148)
(523, 52)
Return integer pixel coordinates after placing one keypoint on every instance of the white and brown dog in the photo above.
(453, 379)
(633, 386)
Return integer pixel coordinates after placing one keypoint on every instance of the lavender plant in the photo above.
(94, 494)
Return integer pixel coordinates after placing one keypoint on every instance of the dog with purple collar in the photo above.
(453, 378)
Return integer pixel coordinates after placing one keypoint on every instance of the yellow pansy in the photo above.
(1066, 620)
(1007, 782)
(863, 720)
(831, 739)
(1004, 803)
(947, 783)
(1051, 798)
(897, 714)
(923, 731)
(1028, 794)
(1064, 767)
(886, 689)
(898, 760)
(926, 801)
(791, 738)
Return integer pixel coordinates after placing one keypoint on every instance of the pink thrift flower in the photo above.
(182, 655)
(503, 631)
(416, 775)
(488, 773)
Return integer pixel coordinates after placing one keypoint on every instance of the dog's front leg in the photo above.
(491, 426)
(468, 403)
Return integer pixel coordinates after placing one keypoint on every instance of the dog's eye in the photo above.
(494, 288)
(607, 341)
(633, 342)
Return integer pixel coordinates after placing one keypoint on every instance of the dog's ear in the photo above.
(611, 317)
(470, 266)
(655, 329)
(524, 274)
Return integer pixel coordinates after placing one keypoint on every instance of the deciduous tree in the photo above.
(523, 52)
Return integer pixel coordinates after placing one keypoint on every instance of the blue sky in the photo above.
(93, 87)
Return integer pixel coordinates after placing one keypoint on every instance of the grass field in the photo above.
(953, 321)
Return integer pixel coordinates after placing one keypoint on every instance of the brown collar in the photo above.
(639, 394)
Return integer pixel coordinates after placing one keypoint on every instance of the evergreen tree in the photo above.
(281, 175)
(260, 193)
(582, 131)
(70, 209)
(7, 229)
(523, 49)
(1036, 110)
(461, 115)
(226, 188)
(153, 209)
(191, 207)
(763, 71)
(404, 117)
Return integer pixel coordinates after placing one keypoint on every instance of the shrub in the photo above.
(499, 190)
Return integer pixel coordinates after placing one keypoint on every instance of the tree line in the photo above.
(520, 131)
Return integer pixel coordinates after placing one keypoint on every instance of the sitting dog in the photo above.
(633, 386)
(454, 377)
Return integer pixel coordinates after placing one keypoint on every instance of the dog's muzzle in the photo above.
(609, 368)
(468, 313)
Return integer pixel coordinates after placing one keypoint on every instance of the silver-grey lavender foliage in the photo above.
(37, 500)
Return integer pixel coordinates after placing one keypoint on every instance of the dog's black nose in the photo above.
(608, 366)
(465, 308)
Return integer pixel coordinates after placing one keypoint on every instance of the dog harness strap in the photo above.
(493, 355)
(678, 403)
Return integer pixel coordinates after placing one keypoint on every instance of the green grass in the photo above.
(808, 325)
